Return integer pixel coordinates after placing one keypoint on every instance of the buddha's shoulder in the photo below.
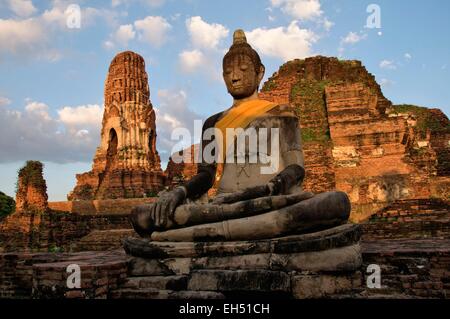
(284, 110)
(212, 120)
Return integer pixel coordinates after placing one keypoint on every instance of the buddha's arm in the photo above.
(204, 179)
(291, 154)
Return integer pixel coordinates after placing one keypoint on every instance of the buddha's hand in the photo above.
(275, 187)
(164, 208)
(287, 178)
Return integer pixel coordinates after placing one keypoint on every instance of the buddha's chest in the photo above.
(263, 150)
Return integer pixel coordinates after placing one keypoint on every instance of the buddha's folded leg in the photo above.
(195, 214)
(321, 211)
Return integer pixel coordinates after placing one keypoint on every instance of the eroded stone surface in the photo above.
(334, 237)
(31, 192)
(337, 259)
(410, 269)
(323, 286)
(410, 219)
(239, 280)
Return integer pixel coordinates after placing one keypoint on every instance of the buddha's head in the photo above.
(242, 68)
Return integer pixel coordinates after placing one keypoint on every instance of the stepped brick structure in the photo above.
(182, 166)
(31, 192)
(356, 141)
(37, 225)
(127, 164)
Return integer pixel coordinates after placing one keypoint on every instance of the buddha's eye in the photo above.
(244, 66)
(228, 70)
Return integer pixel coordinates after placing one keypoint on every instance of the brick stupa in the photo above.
(126, 164)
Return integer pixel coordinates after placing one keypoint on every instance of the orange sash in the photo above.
(238, 117)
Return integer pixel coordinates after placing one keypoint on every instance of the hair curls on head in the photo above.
(241, 47)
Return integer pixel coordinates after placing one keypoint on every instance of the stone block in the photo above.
(239, 280)
(309, 286)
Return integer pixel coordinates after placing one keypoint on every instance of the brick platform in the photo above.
(409, 269)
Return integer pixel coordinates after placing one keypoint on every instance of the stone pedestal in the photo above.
(314, 265)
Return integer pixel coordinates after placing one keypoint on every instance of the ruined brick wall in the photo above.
(356, 141)
(411, 269)
(30, 231)
(410, 219)
(43, 275)
(182, 166)
(100, 206)
(126, 164)
(31, 194)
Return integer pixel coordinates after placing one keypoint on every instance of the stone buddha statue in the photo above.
(258, 173)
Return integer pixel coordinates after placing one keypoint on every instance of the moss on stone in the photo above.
(85, 192)
(7, 205)
(425, 118)
(31, 174)
(269, 86)
(311, 93)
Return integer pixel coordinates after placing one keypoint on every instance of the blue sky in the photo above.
(52, 76)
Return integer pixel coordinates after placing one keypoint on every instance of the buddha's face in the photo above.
(240, 76)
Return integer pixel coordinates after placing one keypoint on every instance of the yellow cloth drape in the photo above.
(239, 116)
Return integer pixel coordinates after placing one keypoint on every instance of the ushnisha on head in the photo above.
(242, 68)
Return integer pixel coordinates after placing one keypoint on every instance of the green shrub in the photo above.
(7, 205)
(31, 174)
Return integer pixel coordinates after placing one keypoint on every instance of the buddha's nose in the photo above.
(235, 78)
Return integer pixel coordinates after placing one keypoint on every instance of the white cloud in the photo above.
(285, 43)
(387, 64)
(151, 3)
(124, 34)
(108, 44)
(90, 114)
(155, 3)
(353, 37)
(408, 56)
(173, 112)
(39, 109)
(32, 37)
(22, 8)
(327, 24)
(21, 35)
(175, 17)
(191, 60)
(205, 35)
(153, 29)
(386, 83)
(4, 101)
(60, 12)
(33, 133)
(299, 9)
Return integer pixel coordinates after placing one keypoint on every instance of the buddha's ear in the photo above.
(261, 72)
